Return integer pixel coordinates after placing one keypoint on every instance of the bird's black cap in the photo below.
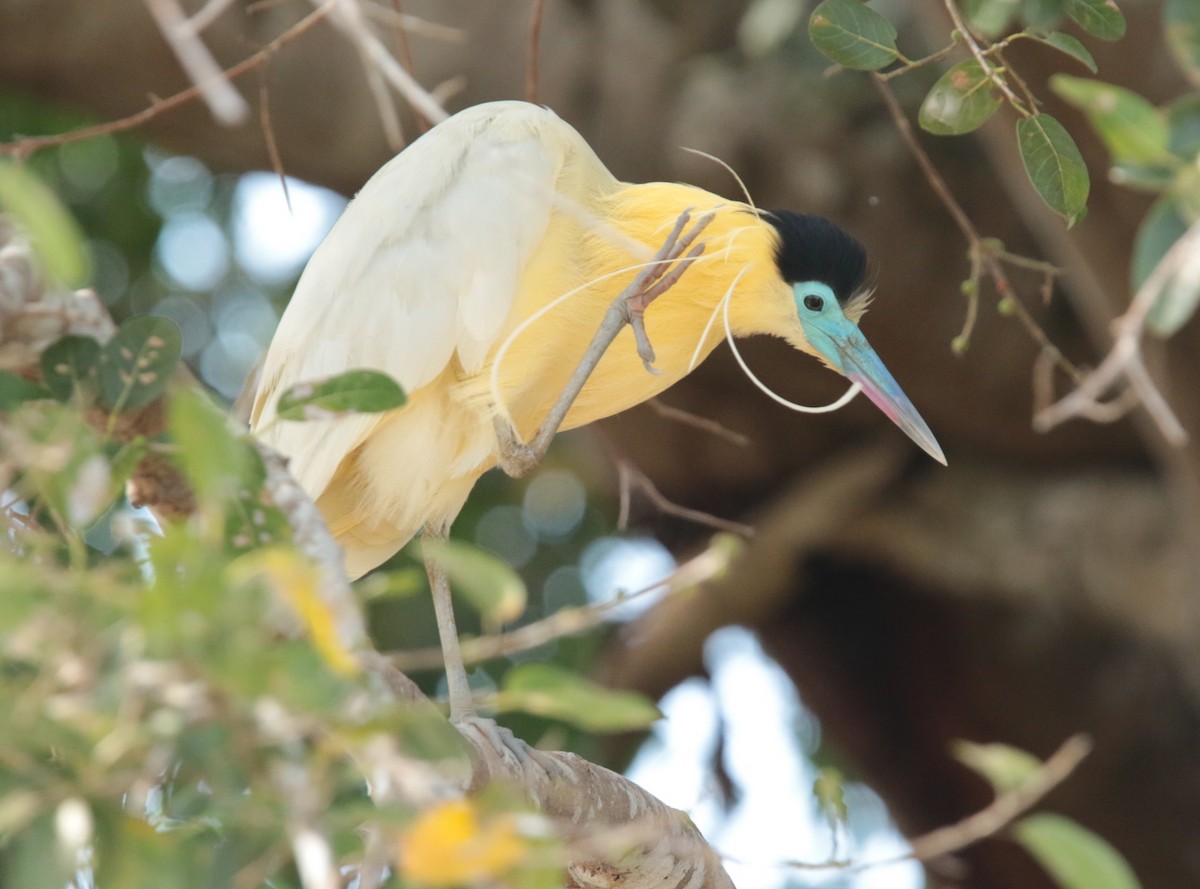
(811, 248)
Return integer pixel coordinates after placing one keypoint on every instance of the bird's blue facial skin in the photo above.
(839, 341)
(822, 318)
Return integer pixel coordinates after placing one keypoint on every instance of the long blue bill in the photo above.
(860, 364)
(839, 341)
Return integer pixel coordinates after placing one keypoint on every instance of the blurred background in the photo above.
(1043, 584)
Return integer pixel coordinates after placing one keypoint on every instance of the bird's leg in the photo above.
(672, 260)
(461, 706)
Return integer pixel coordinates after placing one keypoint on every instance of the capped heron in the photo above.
(476, 267)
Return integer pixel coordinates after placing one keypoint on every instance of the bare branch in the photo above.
(1005, 808)
(225, 102)
(349, 17)
(27, 146)
(1124, 360)
(987, 822)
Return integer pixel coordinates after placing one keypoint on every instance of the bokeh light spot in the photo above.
(192, 320)
(192, 250)
(610, 565)
(273, 242)
(88, 166)
(178, 185)
(502, 532)
(554, 503)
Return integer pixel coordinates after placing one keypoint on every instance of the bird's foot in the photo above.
(678, 252)
(496, 743)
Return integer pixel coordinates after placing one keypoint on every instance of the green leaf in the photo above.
(961, 101)
(53, 232)
(1133, 130)
(494, 589)
(550, 691)
(1181, 22)
(136, 364)
(991, 18)
(16, 390)
(1183, 121)
(1162, 227)
(1100, 18)
(1065, 43)
(356, 391)
(1073, 855)
(1054, 165)
(1007, 768)
(215, 461)
(853, 35)
(69, 362)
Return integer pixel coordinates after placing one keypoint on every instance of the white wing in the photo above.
(422, 266)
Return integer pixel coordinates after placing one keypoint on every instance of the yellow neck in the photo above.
(739, 247)
(684, 324)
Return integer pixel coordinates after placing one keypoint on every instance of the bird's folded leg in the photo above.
(659, 277)
(678, 252)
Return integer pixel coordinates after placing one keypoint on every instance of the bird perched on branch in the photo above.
(477, 267)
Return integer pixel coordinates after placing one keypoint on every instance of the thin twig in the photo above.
(567, 621)
(704, 424)
(388, 116)
(987, 822)
(987, 256)
(1005, 808)
(24, 147)
(535, 36)
(223, 100)
(988, 69)
(919, 63)
(404, 46)
(630, 475)
(264, 117)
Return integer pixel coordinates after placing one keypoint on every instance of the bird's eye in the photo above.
(814, 303)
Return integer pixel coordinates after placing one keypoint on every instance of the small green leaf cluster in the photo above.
(1152, 148)
(970, 92)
